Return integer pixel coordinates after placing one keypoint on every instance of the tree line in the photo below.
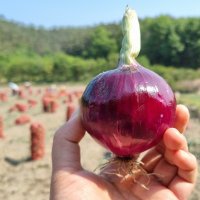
(78, 53)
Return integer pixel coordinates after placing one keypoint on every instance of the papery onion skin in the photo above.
(128, 109)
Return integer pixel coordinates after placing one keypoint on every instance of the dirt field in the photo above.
(22, 179)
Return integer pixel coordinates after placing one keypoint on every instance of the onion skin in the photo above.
(128, 109)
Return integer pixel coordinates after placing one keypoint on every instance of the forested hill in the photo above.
(15, 36)
(165, 40)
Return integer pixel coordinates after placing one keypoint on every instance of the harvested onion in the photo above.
(128, 109)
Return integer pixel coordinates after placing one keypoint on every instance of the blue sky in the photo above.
(50, 13)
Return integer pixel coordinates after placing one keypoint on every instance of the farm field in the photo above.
(21, 178)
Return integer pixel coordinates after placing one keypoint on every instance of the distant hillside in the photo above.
(15, 36)
(165, 40)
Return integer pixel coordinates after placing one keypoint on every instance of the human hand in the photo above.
(170, 159)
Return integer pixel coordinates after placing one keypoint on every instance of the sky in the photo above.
(61, 13)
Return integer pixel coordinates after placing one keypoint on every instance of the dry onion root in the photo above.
(126, 169)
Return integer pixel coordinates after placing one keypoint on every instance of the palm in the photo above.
(101, 187)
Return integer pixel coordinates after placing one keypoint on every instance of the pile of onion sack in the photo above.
(128, 109)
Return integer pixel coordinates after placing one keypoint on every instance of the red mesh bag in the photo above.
(1, 127)
(23, 119)
(21, 107)
(37, 141)
(69, 111)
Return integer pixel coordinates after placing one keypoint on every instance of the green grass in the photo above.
(192, 101)
(194, 147)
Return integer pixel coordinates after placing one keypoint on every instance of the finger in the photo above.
(173, 140)
(151, 159)
(181, 122)
(165, 172)
(181, 188)
(66, 151)
(177, 154)
(188, 175)
(183, 184)
(182, 118)
(185, 160)
(73, 130)
(182, 159)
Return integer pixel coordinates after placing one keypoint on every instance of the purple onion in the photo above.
(128, 109)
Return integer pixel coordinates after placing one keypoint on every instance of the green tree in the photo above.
(163, 44)
(101, 43)
(189, 31)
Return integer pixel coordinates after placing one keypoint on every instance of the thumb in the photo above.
(66, 150)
